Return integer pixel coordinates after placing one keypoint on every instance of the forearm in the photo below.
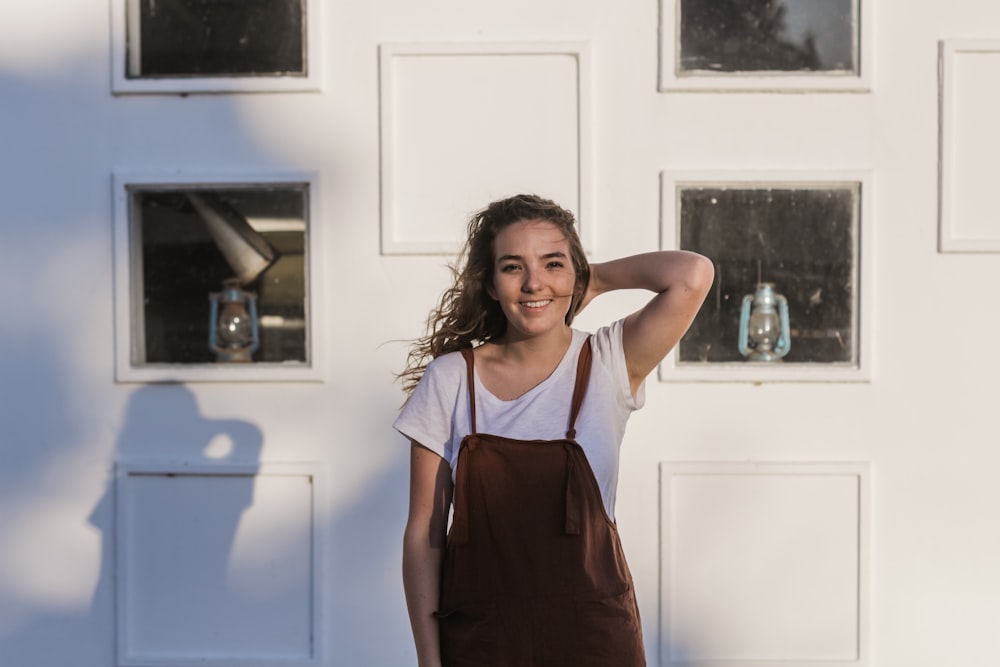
(680, 281)
(421, 583)
(653, 271)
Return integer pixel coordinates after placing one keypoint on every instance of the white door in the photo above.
(162, 503)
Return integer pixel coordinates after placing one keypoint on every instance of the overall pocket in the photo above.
(469, 635)
(609, 631)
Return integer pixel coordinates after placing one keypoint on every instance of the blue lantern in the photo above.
(233, 330)
(764, 333)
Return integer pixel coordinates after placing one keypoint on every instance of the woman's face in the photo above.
(533, 278)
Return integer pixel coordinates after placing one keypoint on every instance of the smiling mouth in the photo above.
(536, 304)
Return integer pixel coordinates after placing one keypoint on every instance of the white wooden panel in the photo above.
(970, 143)
(465, 124)
(216, 564)
(763, 563)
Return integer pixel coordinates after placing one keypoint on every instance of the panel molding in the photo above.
(129, 652)
(838, 476)
(391, 55)
(975, 117)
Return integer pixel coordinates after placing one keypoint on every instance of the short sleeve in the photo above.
(428, 417)
(609, 349)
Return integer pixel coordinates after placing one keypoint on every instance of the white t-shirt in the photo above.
(437, 415)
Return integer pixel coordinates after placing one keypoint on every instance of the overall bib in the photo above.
(534, 574)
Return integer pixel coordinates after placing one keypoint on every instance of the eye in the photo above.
(555, 264)
(509, 268)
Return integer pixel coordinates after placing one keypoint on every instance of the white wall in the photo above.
(923, 428)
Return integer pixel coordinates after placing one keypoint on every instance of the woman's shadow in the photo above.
(169, 518)
(163, 430)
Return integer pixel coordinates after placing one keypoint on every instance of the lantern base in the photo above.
(233, 356)
(766, 356)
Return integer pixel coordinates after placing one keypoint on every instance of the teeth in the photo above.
(537, 304)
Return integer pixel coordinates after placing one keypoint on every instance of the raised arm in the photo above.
(680, 279)
(423, 548)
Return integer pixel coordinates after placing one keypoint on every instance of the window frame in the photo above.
(857, 370)
(128, 284)
(671, 80)
(121, 83)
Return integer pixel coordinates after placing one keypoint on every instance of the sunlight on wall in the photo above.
(220, 447)
(33, 40)
(51, 555)
(58, 342)
(88, 316)
(272, 549)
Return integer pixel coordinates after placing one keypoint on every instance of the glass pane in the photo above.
(803, 241)
(185, 259)
(768, 35)
(211, 38)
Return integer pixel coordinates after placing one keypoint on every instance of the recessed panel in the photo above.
(970, 144)
(762, 563)
(216, 568)
(463, 128)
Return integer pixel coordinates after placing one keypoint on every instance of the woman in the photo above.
(518, 419)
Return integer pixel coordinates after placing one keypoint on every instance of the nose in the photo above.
(531, 281)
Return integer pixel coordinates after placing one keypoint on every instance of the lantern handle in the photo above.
(784, 343)
(255, 330)
(743, 337)
(213, 318)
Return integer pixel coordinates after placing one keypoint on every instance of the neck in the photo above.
(535, 348)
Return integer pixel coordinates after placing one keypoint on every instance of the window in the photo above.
(215, 45)
(218, 279)
(764, 44)
(787, 258)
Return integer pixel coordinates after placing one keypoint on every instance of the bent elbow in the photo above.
(699, 279)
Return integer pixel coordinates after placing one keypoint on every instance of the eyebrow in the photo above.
(548, 255)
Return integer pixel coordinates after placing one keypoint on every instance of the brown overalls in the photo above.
(534, 574)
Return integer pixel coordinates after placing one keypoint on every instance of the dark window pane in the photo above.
(804, 241)
(182, 264)
(768, 35)
(209, 38)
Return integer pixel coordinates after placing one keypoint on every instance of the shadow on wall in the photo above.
(46, 556)
(162, 422)
(62, 135)
(247, 611)
(369, 624)
(183, 529)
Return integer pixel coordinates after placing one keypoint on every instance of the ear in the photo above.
(491, 290)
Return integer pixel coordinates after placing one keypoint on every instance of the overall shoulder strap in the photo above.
(469, 364)
(580, 388)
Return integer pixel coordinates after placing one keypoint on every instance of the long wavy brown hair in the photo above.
(466, 314)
